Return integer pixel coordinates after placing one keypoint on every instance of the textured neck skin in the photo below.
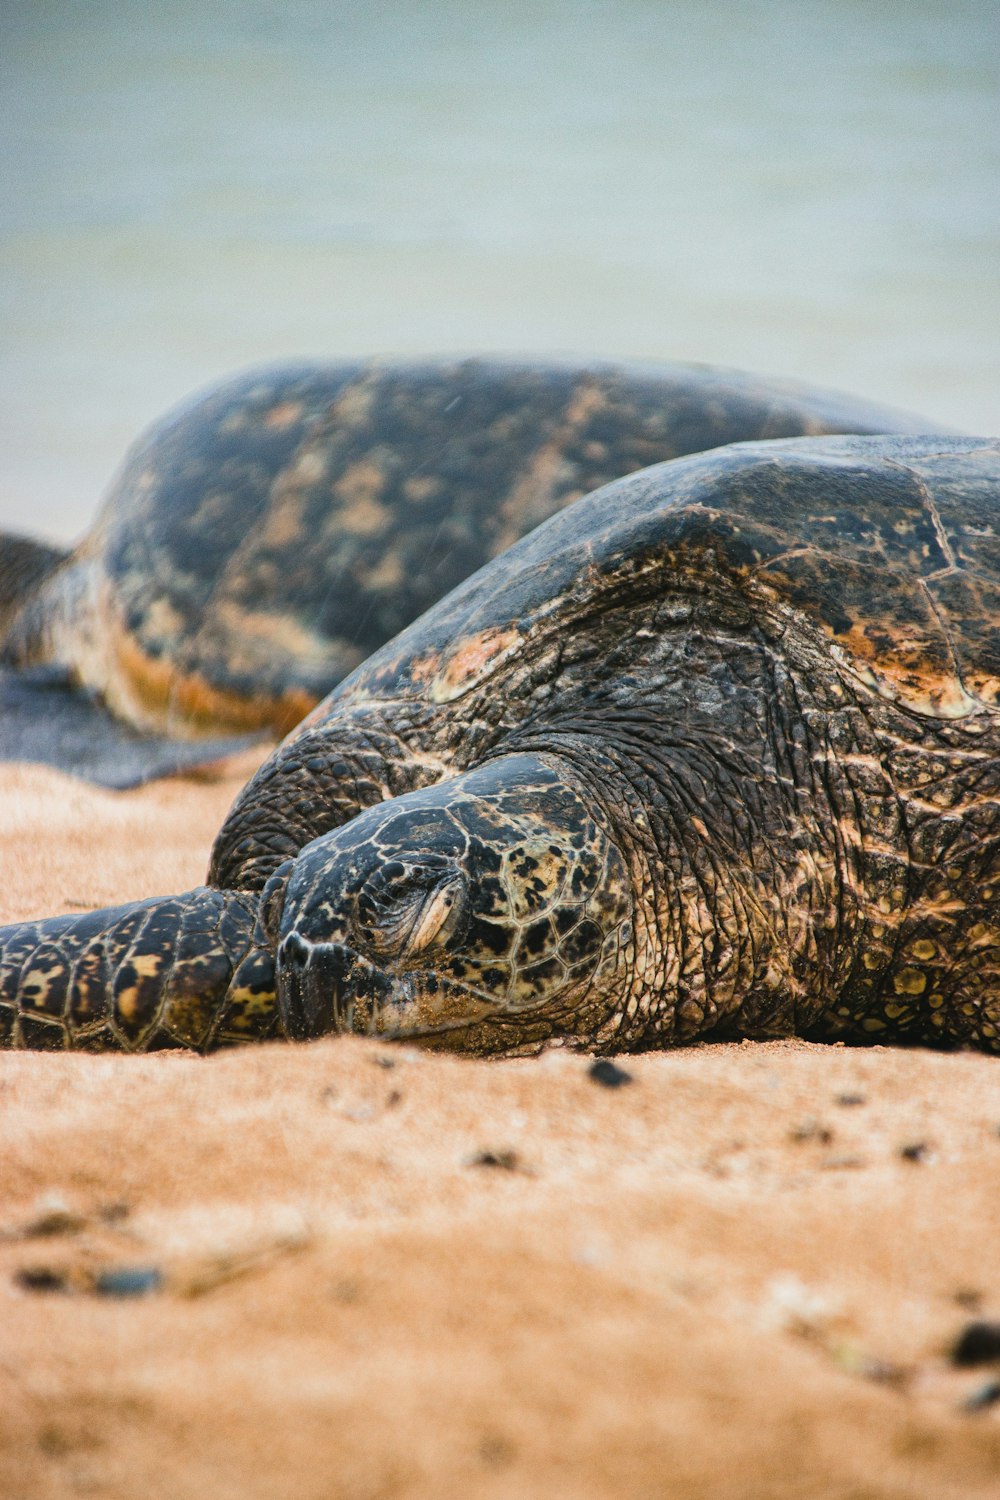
(735, 909)
(805, 858)
(924, 821)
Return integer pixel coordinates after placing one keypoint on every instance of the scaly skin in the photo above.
(715, 754)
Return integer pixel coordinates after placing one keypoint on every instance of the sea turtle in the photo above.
(264, 539)
(714, 752)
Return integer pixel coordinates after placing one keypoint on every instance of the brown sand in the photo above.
(724, 1279)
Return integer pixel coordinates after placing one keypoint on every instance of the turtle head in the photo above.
(494, 901)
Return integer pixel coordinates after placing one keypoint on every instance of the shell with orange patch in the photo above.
(889, 546)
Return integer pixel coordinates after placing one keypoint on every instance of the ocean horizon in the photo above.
(806, 189)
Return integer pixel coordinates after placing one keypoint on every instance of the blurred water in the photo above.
(806, 187)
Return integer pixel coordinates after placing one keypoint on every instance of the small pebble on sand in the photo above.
(977, 1344)
(608, 1074)
(128, 1281)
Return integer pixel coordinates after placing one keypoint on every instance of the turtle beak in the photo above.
(310, 987)
(327, 987)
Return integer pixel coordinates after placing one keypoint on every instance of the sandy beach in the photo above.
(351, 1270)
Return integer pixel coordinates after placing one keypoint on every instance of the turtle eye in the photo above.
(408, 915)
(439, 916)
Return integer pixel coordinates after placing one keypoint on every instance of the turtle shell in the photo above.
(263, 540)
(889, 546)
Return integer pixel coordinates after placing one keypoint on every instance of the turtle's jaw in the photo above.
(329, 987)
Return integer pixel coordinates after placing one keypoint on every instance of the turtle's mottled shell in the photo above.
(263, 540)
(891, 546)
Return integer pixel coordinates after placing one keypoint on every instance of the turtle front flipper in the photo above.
(186, 971)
